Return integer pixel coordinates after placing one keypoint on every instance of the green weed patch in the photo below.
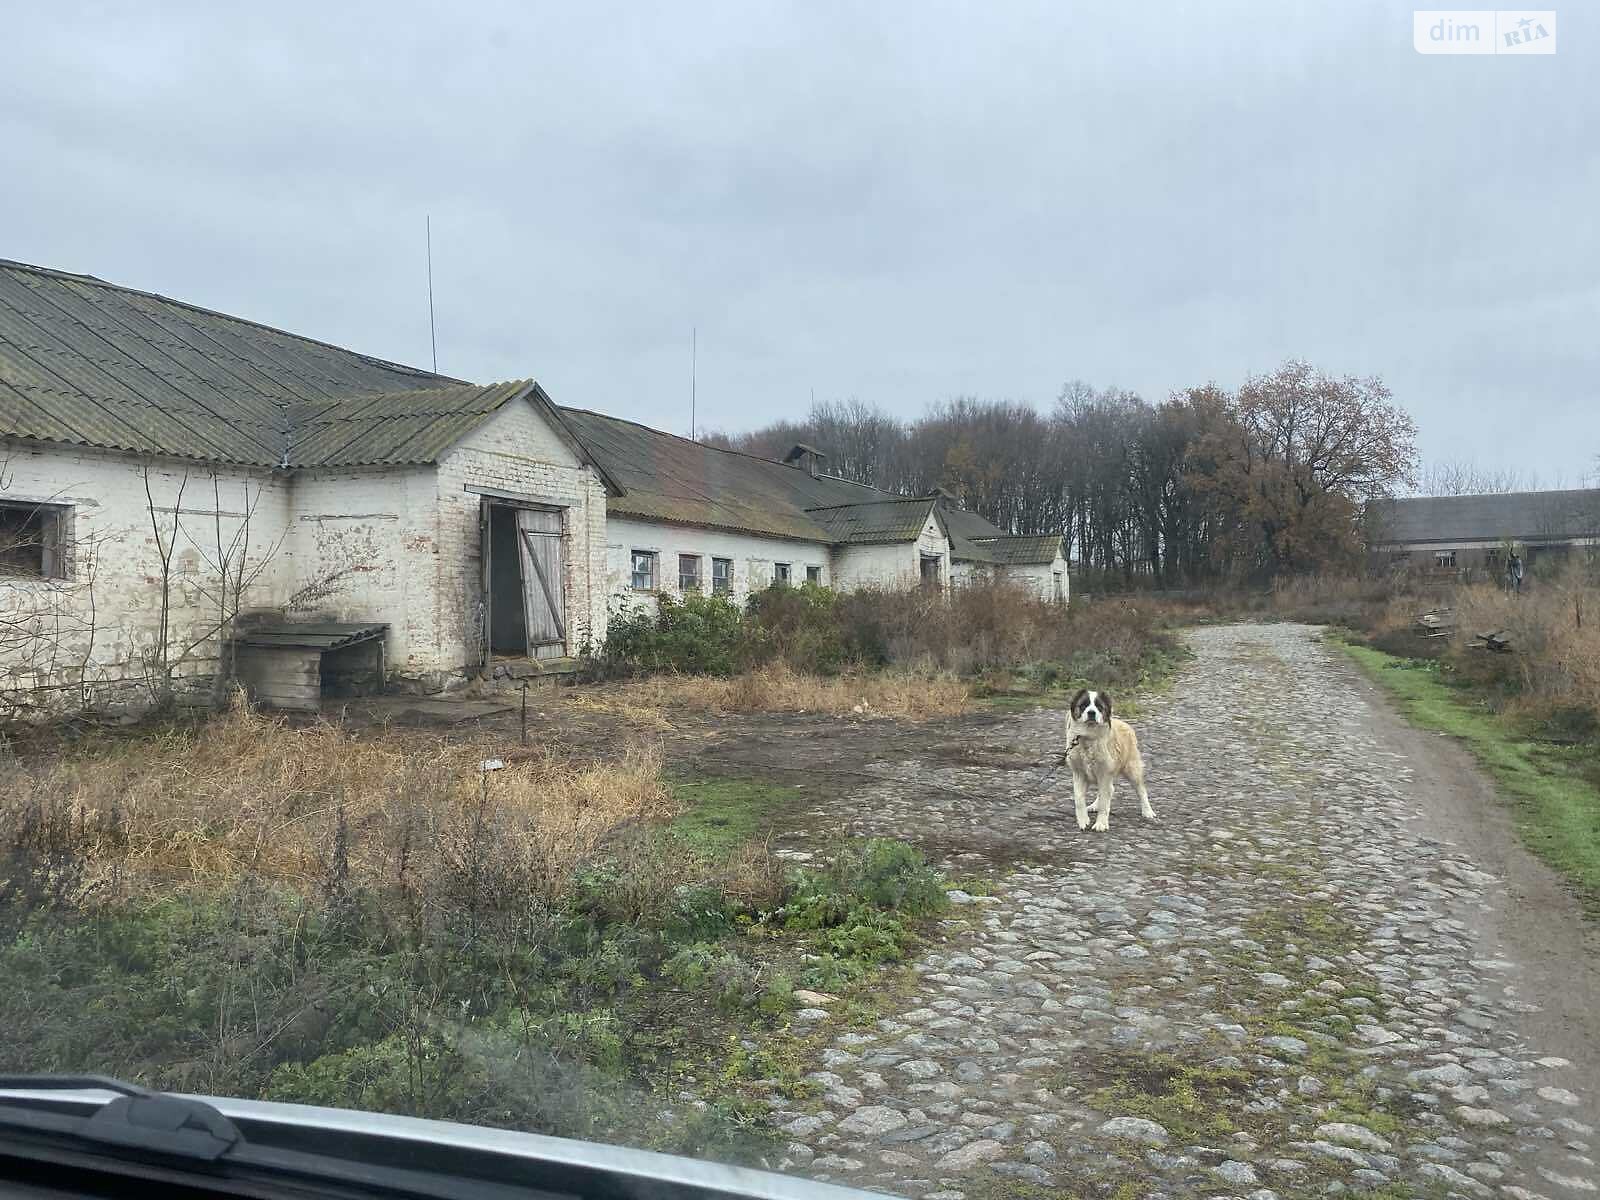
(1554, 797)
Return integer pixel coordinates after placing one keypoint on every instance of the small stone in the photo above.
(1558, 1096)
(814, 999)
(971, 1155)
(811, 1014)
(1453, 1177)
(1135, 1129)
(1570, 1182)
(1376, 1035)
(873, 1121)
(1233, 1171)
(1026, 1171)
(836, 1162)
(802, 1127)
(1347, 1133)
(1039, 1152)
(914, 1133)
(1448, 1075)
(1291, 1046)
(957, 896)
(1309, 1085)
(898, 1158)
(1273, 980)
(919, 1068)
(1481, 1116)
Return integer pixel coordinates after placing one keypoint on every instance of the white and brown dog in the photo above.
(1100, 748)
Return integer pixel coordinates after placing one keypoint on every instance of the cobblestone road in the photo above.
(1278, 990)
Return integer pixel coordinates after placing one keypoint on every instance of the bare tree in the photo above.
(1463, 477)
(157, 658)
(231, 571)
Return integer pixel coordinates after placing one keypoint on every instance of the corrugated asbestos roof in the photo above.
(670, 478)
(1017, 549)
(900, 519)
(93, 364)
(310, 635)
(89, 363)
(1522, 516)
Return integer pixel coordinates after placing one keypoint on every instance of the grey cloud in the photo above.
(896, 201)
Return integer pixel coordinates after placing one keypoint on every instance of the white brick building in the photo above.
(171, 477)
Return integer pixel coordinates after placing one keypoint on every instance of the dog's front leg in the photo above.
(1102, 816)
(1145, 811)
(1080, 797)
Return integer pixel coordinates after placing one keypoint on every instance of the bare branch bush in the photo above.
(217, 596)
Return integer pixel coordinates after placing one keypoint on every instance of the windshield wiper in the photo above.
(71, 1083)
(147, 1135)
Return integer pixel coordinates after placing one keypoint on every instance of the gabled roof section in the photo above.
(669, 478)
(1023, 549)
(890, 519)
(393, 427)
(1522, 516)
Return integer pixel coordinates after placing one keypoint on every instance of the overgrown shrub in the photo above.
(974, 630)
(697, 635)
(798, 626)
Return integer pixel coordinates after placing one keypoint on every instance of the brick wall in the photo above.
(517, 451)
(97, 628)
(752, 558)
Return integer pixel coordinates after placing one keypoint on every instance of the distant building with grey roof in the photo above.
(1473, 533)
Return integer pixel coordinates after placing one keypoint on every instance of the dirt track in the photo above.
(1327, 966)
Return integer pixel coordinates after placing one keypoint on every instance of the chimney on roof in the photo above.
(808, 458)
(940, 493)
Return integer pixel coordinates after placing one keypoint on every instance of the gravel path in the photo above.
(1281, 989)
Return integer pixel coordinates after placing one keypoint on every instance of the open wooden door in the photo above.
(542, 576)
(484, 559)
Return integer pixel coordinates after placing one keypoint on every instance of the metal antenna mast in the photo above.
(694, 372)
(433, 339)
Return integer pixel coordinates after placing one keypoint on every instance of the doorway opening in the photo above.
(508, 623)
(523, 582)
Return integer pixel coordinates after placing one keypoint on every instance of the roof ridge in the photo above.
(1499, 495)
(96, 281)
(353, 397)
(887, 498)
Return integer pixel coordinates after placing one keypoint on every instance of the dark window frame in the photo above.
(42, 553)
(695, 581)
(653, 558)
(782, 573)
(813, 573)
(723, 585)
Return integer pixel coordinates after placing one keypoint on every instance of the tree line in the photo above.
(1271, 478)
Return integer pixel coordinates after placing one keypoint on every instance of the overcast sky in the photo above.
(901, 202)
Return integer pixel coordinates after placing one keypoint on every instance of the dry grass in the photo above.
(779, 688)
(248, 795)
(1554, 629)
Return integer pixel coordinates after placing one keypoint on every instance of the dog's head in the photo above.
(1091, 708)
